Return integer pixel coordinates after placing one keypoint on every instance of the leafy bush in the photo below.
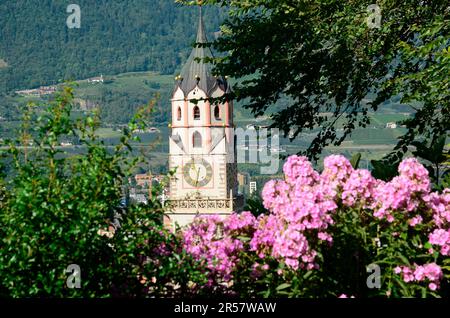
(57, 210)
(330, 234)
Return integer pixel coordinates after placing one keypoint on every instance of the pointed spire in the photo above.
(201, 35)
(196, 72)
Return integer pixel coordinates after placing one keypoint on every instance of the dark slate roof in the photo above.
(198, 72)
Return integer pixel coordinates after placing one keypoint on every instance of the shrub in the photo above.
(57, 210)
(325, 231)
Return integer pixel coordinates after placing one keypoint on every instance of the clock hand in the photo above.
(197, 171)
(198, 177)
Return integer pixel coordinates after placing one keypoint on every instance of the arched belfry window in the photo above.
(179, 113)
(196, 113)
(217, 112)
(197, 140)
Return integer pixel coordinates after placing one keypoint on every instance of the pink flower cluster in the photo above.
(337, 170)
(430, 273)
(403, 193)
(440, 204)
(215, 240)
(359, 189)
(302, 209)
(441, 237)
(302, 206)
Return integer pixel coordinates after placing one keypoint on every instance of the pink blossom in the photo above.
(358, 189)
(215, 240)
(345, 296)
(403, 193)
(299, 169)
(415, 221)
(440, 205)
(303, 208)
(431, 273)
(337, 168)
(440, 237)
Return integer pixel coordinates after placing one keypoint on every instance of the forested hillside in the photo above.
(37, 47)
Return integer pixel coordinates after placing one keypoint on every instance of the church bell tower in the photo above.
(202, 147)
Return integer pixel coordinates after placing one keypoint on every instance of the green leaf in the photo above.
(308, 273)
(244, 238)
(383, 170)
(283, 286)
(355, 160)
(403, 286)
(404, 259)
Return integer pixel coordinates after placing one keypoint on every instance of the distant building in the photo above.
(99, 79)
(243, 181)
(144, 192)
(151, 130)
(139, 198)
(28, 92)
(253, 187)
(291, 133)
(3, 63)
(391, 125)
(143, 180)
(47, 90)
(38, 92)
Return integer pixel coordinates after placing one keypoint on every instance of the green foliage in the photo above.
(355, 160)
(115, 37)
(333, 67)
(360, 240)
(119, 100)
(255, 205)
(384, 170)
(57, 210)
(446, 175)
(433, 151)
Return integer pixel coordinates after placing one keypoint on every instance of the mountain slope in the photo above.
(115, 36)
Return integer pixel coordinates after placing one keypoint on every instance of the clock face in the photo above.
(197, 172)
